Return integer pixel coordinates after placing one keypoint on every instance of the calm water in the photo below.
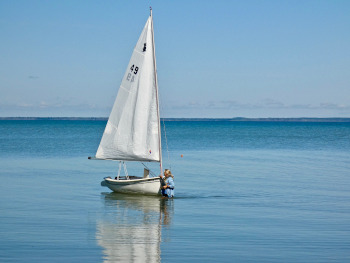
(245, 192)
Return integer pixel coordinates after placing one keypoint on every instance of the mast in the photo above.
(157, 95)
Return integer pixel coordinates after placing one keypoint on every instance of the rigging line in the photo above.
(166, 143)
(152, 173)
(165, 136)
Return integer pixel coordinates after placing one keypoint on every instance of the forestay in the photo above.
(132, 132)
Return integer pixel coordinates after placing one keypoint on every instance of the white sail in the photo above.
(132, 132)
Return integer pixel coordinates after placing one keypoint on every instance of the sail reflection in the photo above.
(130, 230)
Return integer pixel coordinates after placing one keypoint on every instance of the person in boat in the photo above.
(168, 185)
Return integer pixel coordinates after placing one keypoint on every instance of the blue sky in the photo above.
(215, 58)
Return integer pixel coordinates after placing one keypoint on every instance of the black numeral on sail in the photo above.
(131, 76)
(134, 69)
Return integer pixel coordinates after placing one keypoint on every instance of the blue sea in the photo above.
(245, 192)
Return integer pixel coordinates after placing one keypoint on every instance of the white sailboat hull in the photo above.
(147, 186)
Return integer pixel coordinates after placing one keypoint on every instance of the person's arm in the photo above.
(171, 183)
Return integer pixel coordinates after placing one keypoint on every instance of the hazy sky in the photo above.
(215, 58)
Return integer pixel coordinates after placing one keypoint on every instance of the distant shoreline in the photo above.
(236, 119)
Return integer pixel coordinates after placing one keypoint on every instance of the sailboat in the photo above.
(132, 133)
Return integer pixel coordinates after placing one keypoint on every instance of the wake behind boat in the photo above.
(133, 132)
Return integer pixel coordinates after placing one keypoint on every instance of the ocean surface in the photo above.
(245, 192)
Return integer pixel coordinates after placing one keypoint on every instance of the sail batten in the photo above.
(132, 132)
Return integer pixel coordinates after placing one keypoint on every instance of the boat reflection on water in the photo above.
(130, 229)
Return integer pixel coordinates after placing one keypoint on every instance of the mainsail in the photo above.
(132, 132)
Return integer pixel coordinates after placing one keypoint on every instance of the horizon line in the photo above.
(242, 119)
